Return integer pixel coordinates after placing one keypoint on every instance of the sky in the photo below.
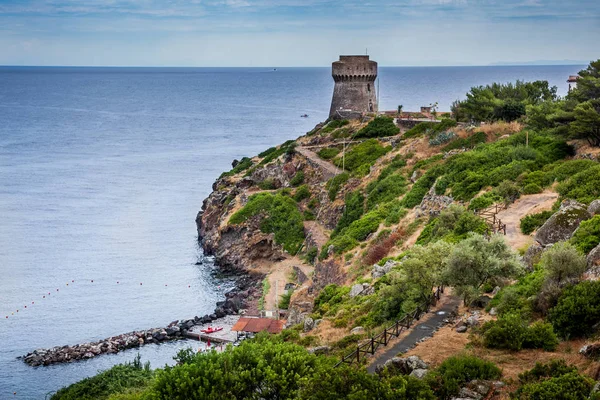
(279, 33)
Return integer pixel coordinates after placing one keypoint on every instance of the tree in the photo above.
(400, 110)
(563, 263)
(476, 261)
(425, 265)
(588, 84)
(587, 122)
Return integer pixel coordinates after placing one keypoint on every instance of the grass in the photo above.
(266, 286)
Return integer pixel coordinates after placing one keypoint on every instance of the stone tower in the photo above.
(354, 91)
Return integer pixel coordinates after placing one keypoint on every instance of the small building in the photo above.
(425, 109)
(255, 325)
(572, 81)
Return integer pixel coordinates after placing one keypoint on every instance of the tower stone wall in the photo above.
(354, 91)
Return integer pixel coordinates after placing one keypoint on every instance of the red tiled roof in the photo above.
(256, 325)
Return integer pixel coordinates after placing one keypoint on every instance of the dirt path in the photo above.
(316, 232)
(279, 276)
(428, 325)
(329, 170)
(528, 204)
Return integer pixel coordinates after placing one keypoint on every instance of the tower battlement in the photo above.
(354, 91)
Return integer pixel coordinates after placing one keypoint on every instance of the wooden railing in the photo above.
(489, 214)
(371, 345)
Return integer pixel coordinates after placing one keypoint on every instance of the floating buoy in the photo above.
(72, 281)
(48, 293)
(17, 310)
(25, 306)
(140, 283)
(7, 316)
(43, 297)
(92, 281)
(57, 290)
(117, 282)
(67, 284)
(165, 284)
(189, 286)
(32, 302)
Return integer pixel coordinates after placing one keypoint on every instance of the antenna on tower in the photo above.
(366, 51)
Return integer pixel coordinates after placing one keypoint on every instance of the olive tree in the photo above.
(476, 261)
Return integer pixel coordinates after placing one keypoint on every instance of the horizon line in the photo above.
(525, 64)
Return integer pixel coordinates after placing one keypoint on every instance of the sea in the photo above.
(102, 174)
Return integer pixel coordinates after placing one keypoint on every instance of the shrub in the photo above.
(532, 188)
(583, 186)
(331, 294)
(431, 128)
(577, 310)
(563, 263)
(302, 193)
(453, 224)
(466, 143)
(384, 190)
(587, 235)
(507, 332)
(327, 153)
(334, 185)
(284, 302)
(540, 335)
(360, 157)
(531, 222)
(484, 201)
(334, 124)
(379, 127)
(298, 179)
(560, 385)
(397, 162)
(281, 217)
(353, 210)
(508, 191)
(563, 170)
(244, 164)
(551, 369)
(452, 374)
(268, 184)
(115, 380)
(441, 138)
(311, 255)
(421, 187)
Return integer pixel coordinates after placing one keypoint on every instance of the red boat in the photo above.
(210, 329)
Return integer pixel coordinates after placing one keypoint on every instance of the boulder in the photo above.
(593, 263)
(562, 224)
(466, 393)
(309, 324)
(380, 270)
(320, 350)
(481, 302)
(419, 373)
(591, 351)
(415, 362)
(594, 207)
(405, 366)
(358, 330)
(496, 290)
(356, 289)
(473, 320)
(532, 255)
(493, 311)
(461, 329)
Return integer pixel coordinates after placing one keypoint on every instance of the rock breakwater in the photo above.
(234, 303)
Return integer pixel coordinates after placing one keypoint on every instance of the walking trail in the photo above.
(525, 205)
(425, 328)
(329, 170)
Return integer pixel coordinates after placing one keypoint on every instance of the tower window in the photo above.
(368, 87)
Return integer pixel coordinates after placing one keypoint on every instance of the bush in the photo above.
(360, 157)
(540, 335)
(244, 164)
(267, 184)
(298, 179)
(302, 193)
(334, 185)
(452, 374)
(331, 294)
(583, 186)
(385, 190)
(554, 380)
(284, 302)
(563, 263)
(484, 201)
(508, 191)
(379, 127)
(530, 223)
(327, 153)
(506, 333)
(577, 310)
(563, 170)
(353, 210)
(532, 188)
(453, 224)
(421, 187)
(115, 380)
(511, 332)
(334, 124)
(441, 138)
(311, 255)
(587, 235)
(466, 143)
(431, 128)
(281, 217)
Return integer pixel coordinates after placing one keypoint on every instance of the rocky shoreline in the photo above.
(236, 302)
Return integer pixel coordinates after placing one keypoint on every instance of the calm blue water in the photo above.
(102, 172)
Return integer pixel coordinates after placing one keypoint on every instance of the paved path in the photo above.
(427, 327)
(329, 170)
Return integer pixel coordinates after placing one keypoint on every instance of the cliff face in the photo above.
(245, 247)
